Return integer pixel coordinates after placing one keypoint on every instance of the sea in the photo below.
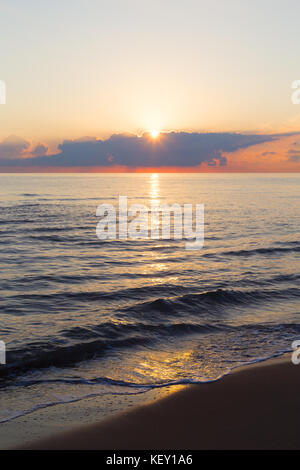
(84, 317)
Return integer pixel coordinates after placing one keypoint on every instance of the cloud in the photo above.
(173, 149)
(267, 154)
(40, 150)
(13, 147)
(294, 156)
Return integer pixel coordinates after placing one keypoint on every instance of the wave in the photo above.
(137, 292)
(78, 344)
(83, 343)
(220, 297)
(130, 388)
(171, 300)
(295, 248)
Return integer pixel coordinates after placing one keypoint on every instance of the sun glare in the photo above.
(154, 134)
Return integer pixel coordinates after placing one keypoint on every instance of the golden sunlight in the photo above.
(154, 133)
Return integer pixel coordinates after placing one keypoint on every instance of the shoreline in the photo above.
(66, 416)
(254, 407)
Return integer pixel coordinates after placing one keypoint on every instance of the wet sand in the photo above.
(256, 407)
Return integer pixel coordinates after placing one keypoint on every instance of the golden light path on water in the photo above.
(154, 186)
(158, 266)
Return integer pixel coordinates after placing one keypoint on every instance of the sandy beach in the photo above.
(256, 407)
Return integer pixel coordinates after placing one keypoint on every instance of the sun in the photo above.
(154, 133)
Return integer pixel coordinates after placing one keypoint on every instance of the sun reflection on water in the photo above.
(154, 186)
(163, 366)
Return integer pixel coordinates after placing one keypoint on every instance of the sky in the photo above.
(88, 69)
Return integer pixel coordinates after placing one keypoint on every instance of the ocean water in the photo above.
(83, 317)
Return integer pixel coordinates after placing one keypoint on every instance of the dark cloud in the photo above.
(294, 156)
(40, 150)
(267, 154)
(178, 149)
